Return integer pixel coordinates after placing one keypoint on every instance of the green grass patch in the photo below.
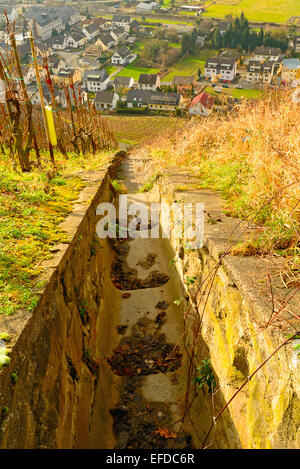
(32, 206)
(231, 178)
(134, 71)
(185, 67)
(187, 13)
(149, 184)
(138, 46)
(236, 93)
(176, 45)
(110, 69)
(165, 21)
(276, 11)
(166, 4)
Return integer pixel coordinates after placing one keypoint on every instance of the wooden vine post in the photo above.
(69, 104)
(14, 112)
(28, 105)
(41, 96)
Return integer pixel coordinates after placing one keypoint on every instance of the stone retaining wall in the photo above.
(51, 404)
(266, 413)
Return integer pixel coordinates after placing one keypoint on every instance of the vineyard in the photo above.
(26, 131)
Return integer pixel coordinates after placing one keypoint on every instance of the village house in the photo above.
(123, 56)
(135, 25)
(268, 70)
(123, 82)
(34, 95)
(192, 8)
(11, 12)
(253, 71)
(30, 75)
(296, 44)
(223, 27)
(231, 54)
(95, 80)
(154, 100)
(165, 101)
(106, 100)
(223, 67)
(149, 82)
(202, 104)
(119, 34)
(290, 70)
(66, 74)
(107, 26)
(138, 98)
(45, 20)
(105, 41)
(184, 84)
(69, 15)
(122, 22)
(55, 63)
(143, 7)
(75, 40)
(79, 94)
(90, 31)
(57, 42)
(42, 49)
(43, 25)
(261, 71)
(99, 21)
(267, 53)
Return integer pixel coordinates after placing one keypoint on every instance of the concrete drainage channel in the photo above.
(104, 360)
(148, 363)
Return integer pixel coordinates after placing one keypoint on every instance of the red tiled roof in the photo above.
(205, 99)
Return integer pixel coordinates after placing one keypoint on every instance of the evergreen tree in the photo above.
(217, 39)
(240, 36)
(237, 23)
(261, 35)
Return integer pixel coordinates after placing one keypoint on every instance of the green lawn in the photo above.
(185, 67)
(247, 94)
(166, 4)
(132, 70)
(236, 93)
(110, 69)
(163, 21)
(277, 11)
(187, 13)
(31, 210)
(138, 46)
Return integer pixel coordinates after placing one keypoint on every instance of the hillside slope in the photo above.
(252, 156)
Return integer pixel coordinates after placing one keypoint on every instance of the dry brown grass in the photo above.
(249, 156)
(136, 130)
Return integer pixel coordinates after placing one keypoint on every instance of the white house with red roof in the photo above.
(202, 104)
